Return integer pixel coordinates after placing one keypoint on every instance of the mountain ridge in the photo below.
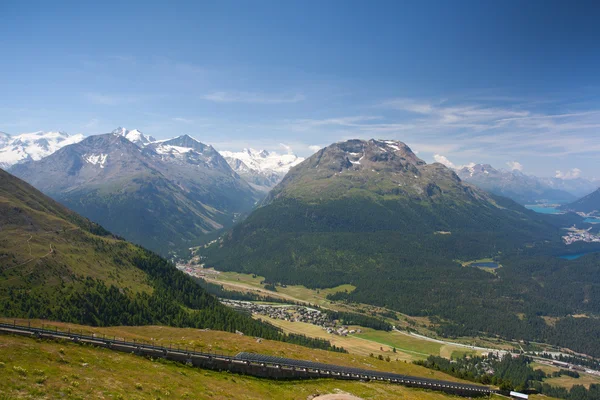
(524, 189)
(588, 205)
(159, 200)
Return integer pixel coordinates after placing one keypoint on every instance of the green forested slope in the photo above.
(57, 265)
(397, 228)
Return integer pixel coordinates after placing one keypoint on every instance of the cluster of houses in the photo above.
(577, 235)
(342, 330)
(292, 314)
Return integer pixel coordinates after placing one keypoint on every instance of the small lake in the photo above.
(485, 265)
(592, 220)
(543, 209)
(576, 255)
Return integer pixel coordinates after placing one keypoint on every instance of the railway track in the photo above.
(249, 363)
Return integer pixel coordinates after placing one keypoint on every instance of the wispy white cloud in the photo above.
(314, 148)
(288, 149)
(183, 120)
(573, 173)
(410, 105)
(92, 123)
(111, 99)
(514, 165)
(444, 160)
(253, 98)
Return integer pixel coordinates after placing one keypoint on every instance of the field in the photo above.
(247, 282)
(33, 368)
(567, 381)
(371, 341)
(407, 347)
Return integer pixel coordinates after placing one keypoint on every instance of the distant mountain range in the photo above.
(261, 168)
(32, 146)
(163, 195)
(525, 189)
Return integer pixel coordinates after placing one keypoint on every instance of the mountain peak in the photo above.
(134, 136)
(187, 141)
(371, 168)
(370, 155)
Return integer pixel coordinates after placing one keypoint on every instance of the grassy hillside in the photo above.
(58, 265)
(55, 369)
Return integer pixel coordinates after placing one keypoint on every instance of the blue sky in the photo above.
(510, 83)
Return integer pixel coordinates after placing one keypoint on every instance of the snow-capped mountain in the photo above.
(524, 189)
(164, 195)
(134, 136)
(186, 149)
(32, 146)
(261, 168)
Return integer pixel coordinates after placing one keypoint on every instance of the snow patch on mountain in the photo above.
(134, 136)
(96, 159)
(261, 168)
(168, 149)
(263, 160)
(32, 146)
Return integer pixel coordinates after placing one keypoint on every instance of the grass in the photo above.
(461, 353)
(248, 282)
(47, 250)
(32, 368)
(421, 348)
(566, 381)
(231, 344)
(372, 342)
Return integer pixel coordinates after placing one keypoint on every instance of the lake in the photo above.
(543, 209)
(576, 255)
(592, 220)
(485, 265)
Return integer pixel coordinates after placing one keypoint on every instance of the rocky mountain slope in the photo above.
(524, 189)
(163, 196)
(261, 168)
(374, 215)
(589, 204)
(32, 146)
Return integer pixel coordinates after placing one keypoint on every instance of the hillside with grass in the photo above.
(43, 368)
(60, 266)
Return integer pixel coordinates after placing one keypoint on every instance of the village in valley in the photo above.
(580, 235)
(293, 313)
